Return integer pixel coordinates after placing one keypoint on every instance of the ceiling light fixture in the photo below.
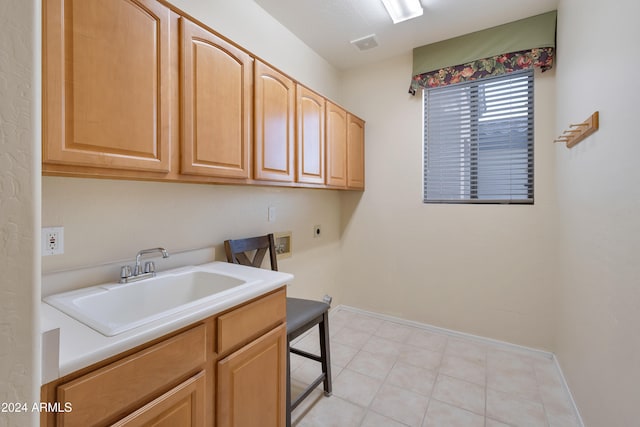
(402, 10)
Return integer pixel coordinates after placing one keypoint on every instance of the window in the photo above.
(478, 141)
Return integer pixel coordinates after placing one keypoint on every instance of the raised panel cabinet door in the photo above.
(355, 153)
(310, 141)
(216, 102)
(251, 383)
(100, 396)
(336, 146)
(182, 406)
(106, 84)
(274, 124)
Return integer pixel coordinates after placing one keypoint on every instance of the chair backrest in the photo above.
(239, 251)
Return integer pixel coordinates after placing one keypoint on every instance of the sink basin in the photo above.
(112, 309)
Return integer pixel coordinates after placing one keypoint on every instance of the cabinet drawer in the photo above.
(250, 321)
(183, 405)
(127, 384)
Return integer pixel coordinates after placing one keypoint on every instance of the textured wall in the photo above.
(110, 221)
(598, 344)
(482, 269)
(19, 207)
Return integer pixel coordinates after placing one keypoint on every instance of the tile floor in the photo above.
(390, 374)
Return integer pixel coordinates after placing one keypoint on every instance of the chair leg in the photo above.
(325, 352)
(288, 403)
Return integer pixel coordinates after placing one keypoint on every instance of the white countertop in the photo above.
(80, 346)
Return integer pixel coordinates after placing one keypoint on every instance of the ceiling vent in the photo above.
(366, 43)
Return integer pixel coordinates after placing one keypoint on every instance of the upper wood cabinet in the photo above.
(216, 100)
(336, 146)
(274, 124)
(345, 149)
(310, 137)
(355, 152)
(132, 89)
(107, 84)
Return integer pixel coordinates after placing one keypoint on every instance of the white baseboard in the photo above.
(497, 343)
(565, 385)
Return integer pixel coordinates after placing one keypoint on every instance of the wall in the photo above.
(247, 24)
(482, 269)
(599, 204)
(19, 207)
(108, 221)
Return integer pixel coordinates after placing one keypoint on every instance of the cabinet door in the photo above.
(123, 386)
(182, 406)
(254, 377)
(355, 153)
(310, 144)
(106, 84)
(274, 124)
(336, 146)
(216, 104)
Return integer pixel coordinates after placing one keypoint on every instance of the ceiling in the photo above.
(328, 26)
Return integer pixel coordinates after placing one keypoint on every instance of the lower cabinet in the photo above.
(227, 370)
(254, 377)
(182, 406)
(109, 393)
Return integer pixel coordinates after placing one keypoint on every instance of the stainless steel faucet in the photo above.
(138, 273)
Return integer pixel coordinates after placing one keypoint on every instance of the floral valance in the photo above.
(517, 45)
(497, 65)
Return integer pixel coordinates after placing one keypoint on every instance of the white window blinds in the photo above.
(478, 141)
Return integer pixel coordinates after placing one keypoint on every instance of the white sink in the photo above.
(113, 308)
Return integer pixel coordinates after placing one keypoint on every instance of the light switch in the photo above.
(272, 213)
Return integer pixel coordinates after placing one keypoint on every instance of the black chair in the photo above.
(302, 314)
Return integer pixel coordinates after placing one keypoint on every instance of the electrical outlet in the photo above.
(52, 241)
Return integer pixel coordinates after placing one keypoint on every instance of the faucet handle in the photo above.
(149, 267)
(125, 271)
